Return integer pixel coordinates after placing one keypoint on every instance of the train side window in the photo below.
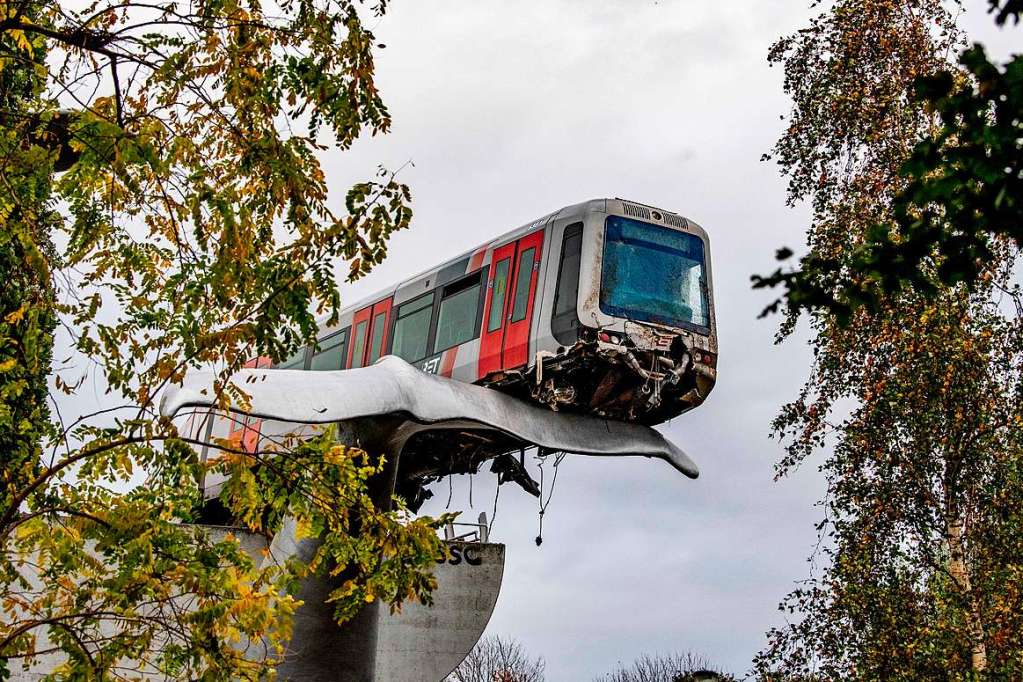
(296, 361)
(379, 327)
(359, 343)
(411, 333)
(522, 279)
(565, 322)
(459, 311)
(332, 353)
(499, 295)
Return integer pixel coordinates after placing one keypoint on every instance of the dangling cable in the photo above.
(543, 505)
(493, 516)
(539, 501)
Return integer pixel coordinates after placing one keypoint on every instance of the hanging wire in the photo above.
(470, 492)
(450, 492)
(543, 505)
(490, 526)
(497, 493)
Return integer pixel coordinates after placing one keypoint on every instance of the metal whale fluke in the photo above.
(392, 387)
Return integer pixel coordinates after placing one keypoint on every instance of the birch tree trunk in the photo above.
(960, 572)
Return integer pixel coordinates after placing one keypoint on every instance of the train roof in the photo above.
(579, 209)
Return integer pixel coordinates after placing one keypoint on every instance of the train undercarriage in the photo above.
(595, 377)
(614, 379)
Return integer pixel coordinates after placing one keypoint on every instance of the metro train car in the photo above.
(602, 308)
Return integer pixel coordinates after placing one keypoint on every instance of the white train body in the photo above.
(604, 307)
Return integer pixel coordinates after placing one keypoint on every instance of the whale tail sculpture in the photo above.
(426, 427)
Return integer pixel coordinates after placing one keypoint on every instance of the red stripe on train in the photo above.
(477, 259)
(250, 427)
(447, 363)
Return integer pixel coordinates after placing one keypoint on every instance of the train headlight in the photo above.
(705, 358)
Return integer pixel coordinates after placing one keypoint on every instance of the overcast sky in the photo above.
(510, 110)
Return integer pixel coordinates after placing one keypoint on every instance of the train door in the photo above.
(519, 315)
(495, 306)
(244, 427)
(369, 334)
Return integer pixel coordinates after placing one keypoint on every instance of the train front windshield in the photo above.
(654, 274)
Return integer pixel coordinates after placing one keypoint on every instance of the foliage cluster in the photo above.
(685, 667)
(497, 659)
(958, 204)
(915, 398)
(27, 316)
(196, 230)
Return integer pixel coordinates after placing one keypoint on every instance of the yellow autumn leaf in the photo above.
(16, 316)
(303, 528)
(21, 40)
(335, 455)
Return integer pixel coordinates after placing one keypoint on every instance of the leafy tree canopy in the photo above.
(687, 667)
(911, 408)
(498, 659)
(959, 204)
(171, 150)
